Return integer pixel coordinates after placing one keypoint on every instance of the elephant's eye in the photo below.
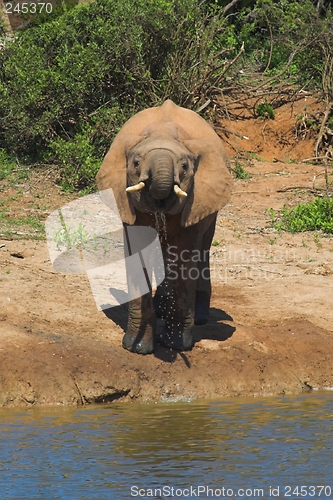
(184, 165)
(136, 163)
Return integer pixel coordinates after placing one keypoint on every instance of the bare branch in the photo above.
(327, 80)
(271, 43)
(204, 106)
(328, 109)
(217, 81)
(290, 60)
(227, 131)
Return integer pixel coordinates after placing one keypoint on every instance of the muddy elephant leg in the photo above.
(203, 287)
(141, 328)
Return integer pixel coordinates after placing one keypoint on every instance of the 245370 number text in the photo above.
(28, 8)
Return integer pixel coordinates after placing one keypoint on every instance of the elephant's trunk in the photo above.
(161, 174)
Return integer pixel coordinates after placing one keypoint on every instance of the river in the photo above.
(235, 448)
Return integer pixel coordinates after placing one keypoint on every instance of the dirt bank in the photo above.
(270, 330)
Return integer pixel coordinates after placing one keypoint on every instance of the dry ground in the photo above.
(270, 330)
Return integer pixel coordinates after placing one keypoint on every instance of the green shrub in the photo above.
(273, 29)
(239, 172)
(265, 110)
(2, 28)
(77, 160)
(59, 72)
(316, 215)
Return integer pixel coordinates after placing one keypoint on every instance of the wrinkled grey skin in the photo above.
(167, 153)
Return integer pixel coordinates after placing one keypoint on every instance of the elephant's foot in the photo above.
(176, 337)
(141, 327)
(202, 302)
(139, 343)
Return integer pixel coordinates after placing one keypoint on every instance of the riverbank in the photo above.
(270, 330)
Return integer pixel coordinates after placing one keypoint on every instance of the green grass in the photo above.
(10, 170)
(11, 175)
(12, 227)
(7, 164)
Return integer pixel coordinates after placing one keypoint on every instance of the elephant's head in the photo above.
(160, 173)
(173, 165)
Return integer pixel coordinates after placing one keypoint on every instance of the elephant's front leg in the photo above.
(177, 332)
(179, 318)
(141, 328)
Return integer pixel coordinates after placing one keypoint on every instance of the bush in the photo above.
(265, 110)
(69, 83)
(273, 29)
(59, 72)
(317, 215)
(71, 79)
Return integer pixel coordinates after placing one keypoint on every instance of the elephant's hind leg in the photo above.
(202, 303)
(203, 285)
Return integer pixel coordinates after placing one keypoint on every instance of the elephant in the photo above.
(167, 167)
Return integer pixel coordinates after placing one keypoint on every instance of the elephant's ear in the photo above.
(112, 174)
(212, 181)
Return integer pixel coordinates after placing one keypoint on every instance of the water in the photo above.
(160, 225)
(248, 447)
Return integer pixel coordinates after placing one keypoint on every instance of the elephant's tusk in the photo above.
(179, 192)
(135, 188)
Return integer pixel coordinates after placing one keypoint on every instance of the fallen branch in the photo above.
(80, 393)
(255, 268)
(227, 131)
(314, 158)
(291, 188)
(316, 191)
